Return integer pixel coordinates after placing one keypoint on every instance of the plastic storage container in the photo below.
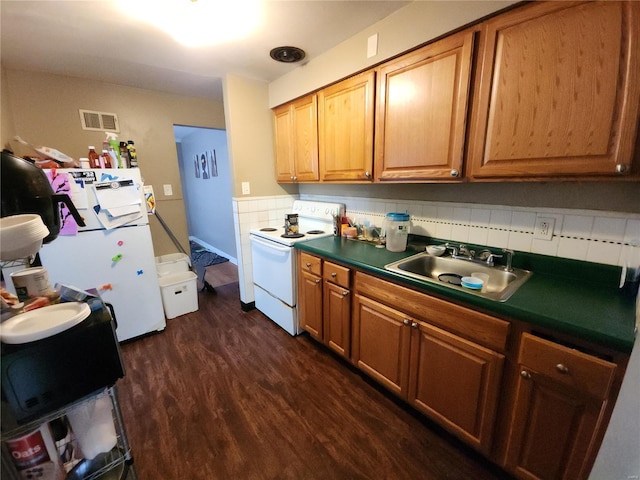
(397, 231)
(172, 263)
(179, 293)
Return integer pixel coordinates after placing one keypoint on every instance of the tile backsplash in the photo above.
(588, 235)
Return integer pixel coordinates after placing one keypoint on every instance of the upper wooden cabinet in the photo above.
(558, 91)
(345, 129)
(296, 138)
(421, 112)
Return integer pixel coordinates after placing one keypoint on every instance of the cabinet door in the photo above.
(283, 133)
(421, 112)
(345, 129)
(552, 430)
(296, 138)
(560, 398)
(305, 139)
(456, 383)
(381, 340)
(558, 91)
(337, 318)
(310, 303)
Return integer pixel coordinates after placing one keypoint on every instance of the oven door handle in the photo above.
(271, 245)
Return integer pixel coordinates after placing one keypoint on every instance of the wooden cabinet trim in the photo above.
(476, 326)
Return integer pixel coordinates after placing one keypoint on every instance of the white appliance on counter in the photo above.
(274, 260)
(120, 258)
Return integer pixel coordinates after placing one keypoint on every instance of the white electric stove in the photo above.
(274, 261)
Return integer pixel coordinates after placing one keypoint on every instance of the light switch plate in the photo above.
(372, 45)
(246, 188)
(168, 189)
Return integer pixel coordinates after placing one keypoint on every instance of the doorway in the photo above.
(205, 177)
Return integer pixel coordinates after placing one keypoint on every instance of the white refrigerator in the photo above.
(118, 259)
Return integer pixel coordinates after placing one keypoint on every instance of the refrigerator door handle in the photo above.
(113, 314)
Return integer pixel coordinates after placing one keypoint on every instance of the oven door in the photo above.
(274, 269)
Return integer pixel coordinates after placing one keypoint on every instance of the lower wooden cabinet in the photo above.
(324, 302)
(559, 406)
(452, 380)
(534, 406)
(456, 383)
(310, 303)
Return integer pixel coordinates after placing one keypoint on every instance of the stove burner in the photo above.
(315, 232)
(292, 235)
(268, 229)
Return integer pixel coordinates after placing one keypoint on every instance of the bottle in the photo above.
(124, 155)
(106, 159)
(133, 155)
(114, 148)
(94, 158)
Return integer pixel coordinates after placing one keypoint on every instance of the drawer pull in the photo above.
(317, 281)
(562, 368)
(308, 265)
(334, 274)
(345, 293)
(526, 375)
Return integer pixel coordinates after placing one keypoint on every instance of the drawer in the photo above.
(336, 274)
(570, 367)
(478, 327)
(311, 264)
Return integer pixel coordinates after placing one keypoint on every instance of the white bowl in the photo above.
(21, 236)
(435, 250)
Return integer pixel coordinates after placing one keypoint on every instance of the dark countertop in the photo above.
(556, 297)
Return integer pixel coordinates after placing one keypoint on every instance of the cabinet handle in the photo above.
(345, 293)
(406, 322)
(526, 375)
(308, 265)
(317, 281)
(334, 274)
(414, 325)
(622, 168)
(562, 368)
(367, 174)
(454, 173)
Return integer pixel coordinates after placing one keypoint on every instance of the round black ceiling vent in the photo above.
(287, 54)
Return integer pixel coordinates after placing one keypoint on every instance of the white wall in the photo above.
(208, 201)
(413, 25)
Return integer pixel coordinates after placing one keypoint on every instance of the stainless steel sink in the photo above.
(447, 271)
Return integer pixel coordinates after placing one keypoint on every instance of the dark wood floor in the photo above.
(225, 394)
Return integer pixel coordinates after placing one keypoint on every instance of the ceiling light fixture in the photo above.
(287, 54)
(198, 23)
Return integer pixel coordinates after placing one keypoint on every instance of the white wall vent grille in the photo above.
(92, 120)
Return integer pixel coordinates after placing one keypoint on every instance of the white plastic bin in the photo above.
(179, 293)
(172, 263)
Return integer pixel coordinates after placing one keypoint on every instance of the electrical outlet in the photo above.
(246, 189)
(168, 190)
(544, 228)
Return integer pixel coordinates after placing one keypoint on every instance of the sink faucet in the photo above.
(509, 253)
